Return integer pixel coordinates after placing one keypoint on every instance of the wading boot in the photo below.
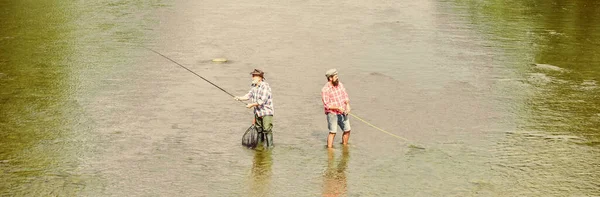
(261, 137)
(269, 139)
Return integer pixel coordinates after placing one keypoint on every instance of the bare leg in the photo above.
(345, 137)
(330, 140)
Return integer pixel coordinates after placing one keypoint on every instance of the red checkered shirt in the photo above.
(261, 94)
(334, 96)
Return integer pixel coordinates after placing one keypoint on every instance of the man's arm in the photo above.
(325, 99)
(346, 101)
(262, 98)
(243, 98)
(347, 107)
(251, 105)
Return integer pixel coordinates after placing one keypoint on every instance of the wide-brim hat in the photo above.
(258, 72)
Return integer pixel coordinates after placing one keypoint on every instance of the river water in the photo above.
(501, 95)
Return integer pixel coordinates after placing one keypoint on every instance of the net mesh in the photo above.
(250, 138)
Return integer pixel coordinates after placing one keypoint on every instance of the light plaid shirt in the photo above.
(334, 96)
(261, 94)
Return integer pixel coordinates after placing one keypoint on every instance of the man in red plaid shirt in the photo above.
(262, 101)
(337, 107)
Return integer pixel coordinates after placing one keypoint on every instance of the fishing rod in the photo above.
(193, 73)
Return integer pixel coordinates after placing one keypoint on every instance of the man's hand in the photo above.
(240, 98)
(250, 105)
(341, 109)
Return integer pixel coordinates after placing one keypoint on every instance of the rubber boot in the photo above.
(269, 139)
(260, 137)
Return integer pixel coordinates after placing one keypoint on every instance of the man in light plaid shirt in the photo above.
(261, 100)
(337, 107)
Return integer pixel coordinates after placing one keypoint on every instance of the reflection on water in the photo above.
(37, 153)
(44, 46)
(334, 178)
(261, 172)
(555, 47)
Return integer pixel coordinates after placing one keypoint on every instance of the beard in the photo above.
(256, 81)
(335, 83)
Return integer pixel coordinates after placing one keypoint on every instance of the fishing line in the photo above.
(193, 73)
(380, 129)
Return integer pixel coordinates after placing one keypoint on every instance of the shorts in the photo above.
(335, 120)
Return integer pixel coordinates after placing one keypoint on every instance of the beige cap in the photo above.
(331, 72)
